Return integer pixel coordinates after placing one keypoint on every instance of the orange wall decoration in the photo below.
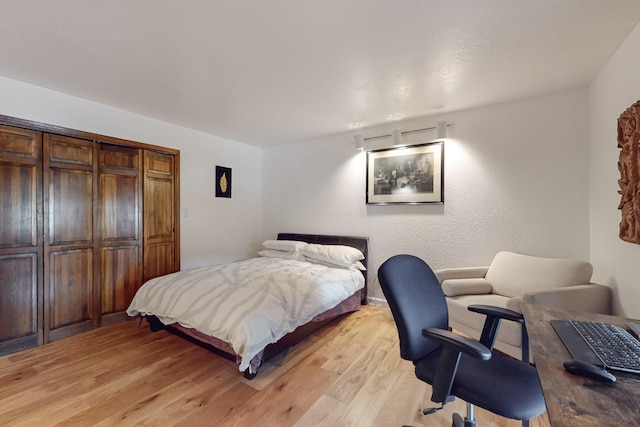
(628, 165)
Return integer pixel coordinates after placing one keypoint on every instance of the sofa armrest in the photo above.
(591, 297)
(461, 273)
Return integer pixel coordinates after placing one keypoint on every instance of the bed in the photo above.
(248, 311)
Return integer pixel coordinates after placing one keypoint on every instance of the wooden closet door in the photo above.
(69, 246)
(20, 239)
(161, 249)
(120, 206)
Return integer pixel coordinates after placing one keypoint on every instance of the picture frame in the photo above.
(223, 182)
(411, 174)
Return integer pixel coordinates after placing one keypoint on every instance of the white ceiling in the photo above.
(265, 72)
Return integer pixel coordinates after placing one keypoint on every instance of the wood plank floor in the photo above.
(348, 374)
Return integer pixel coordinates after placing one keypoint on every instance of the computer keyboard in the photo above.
(603, 344)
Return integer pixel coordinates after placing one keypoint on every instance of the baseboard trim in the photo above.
(377, 302)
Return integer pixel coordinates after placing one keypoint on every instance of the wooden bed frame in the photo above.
(297, 335)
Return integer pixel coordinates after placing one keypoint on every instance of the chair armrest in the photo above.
(491, 310)
(462, 344)
(461, 273)
(453, 346)
(492, 324)
(591, 297)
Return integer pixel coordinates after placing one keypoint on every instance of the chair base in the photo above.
(468, 421)
(459, 422)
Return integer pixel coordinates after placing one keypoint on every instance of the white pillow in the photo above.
(284, 245)
(358, 266)
(355, 266)
(340, 255)
(272, 253)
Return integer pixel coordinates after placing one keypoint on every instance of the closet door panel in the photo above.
(160, 255)
(21, 228)
(120, 226)
(70, 151)
(121, 277)
(160, 213)
(19, 291)
(20, 175)
(18, 205)
(71, 292)
(159, 259)
(70, 248)
(119, 206)
(70, 207)
(21, 143)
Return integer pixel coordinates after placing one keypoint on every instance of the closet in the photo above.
(85, 219)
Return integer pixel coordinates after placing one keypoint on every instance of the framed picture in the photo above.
(413, 174)
(223, 182)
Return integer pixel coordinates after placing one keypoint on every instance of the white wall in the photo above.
(616, 262)
(515, 178)
(216, 229)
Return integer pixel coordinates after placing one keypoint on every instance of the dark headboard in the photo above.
(360, 243)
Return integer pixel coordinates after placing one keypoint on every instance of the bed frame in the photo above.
(302, 331)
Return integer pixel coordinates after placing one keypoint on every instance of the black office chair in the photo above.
(452, 364)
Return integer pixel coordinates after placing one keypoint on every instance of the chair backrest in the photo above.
(416, 301)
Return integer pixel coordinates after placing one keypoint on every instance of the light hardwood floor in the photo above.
(348, 374)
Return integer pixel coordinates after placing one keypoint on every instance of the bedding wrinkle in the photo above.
(248, 304)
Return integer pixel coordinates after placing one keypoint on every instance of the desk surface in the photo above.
(573, 400)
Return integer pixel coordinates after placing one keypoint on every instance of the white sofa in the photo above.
(513, 279)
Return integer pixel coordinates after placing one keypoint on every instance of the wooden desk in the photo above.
(573, 400)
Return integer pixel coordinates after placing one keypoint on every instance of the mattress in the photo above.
(248, 304)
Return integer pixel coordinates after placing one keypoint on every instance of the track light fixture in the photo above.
(396, 134)
(396, 137)
(359, 141)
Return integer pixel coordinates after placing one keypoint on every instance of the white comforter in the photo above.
(248, 304)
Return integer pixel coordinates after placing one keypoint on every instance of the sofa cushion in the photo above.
(513, 275)
(477, 286)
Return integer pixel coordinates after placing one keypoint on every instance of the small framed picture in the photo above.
(413, 174)
(223, 182)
